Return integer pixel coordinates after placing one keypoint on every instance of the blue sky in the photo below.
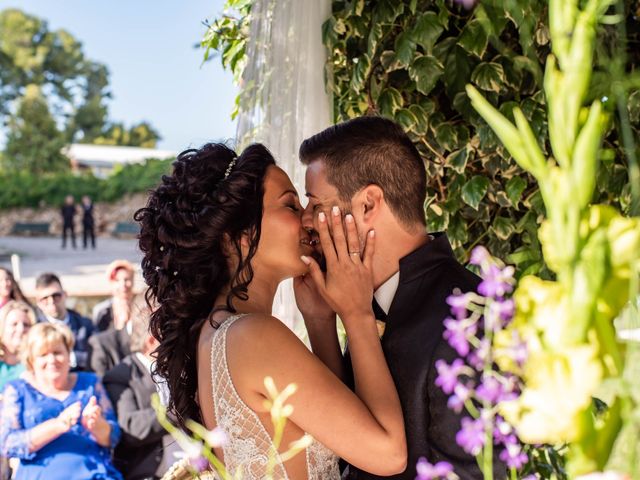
(156, 74)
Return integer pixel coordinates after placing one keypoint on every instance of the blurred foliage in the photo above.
(33, 141)
(71, 105)
(228, 35)
(27, 189)
(139, 135)
(410, 60)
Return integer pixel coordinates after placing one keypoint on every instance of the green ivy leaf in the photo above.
(389, 61)
(446, 136)
(406, 118)
(427, 30)
(474, 38)
(503, 228)
(405, 49)
(488, 76)
(390, 101)
(474, 191)
(437, 218)
(457, 70)
(339, 27)
(375, 35)
(458, 160)
(514, 189)
(422, 119)
(360, 72)
(425, 71)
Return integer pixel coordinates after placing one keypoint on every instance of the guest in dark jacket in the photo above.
(51, 300)
(88, 223)
(68, 212)
(145, 450)
(108, 348)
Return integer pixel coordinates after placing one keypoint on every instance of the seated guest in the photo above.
(59, 424)
(145, 449)
(108, 348)
(51, 299)
(16, 318)
(115, 311)
(9, 288)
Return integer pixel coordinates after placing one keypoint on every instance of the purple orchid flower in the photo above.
(448, 374)
(471, 437)
(459, 303)
(461, 393)
(496, 281)
(513, 455)
(457, 333)
(426, 471)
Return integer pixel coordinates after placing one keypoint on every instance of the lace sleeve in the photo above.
(14, 438)
(108, 413)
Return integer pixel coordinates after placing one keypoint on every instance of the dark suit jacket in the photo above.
(130, 386)
(107, 349)
(412, 342)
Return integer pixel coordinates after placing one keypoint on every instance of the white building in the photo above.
(101, 159)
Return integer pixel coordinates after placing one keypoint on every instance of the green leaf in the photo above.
(437, 218)
(474, 191)
(474, 38)
(360, 72)
(406, 119)
(503, 228)
(427, 30)
(339, 27)
(488, 76)
(457, 70)
(374, 37)
(514, 188)
(446, 136)
(425, 71)
(389, 61)
(422, 119)
(458, 160)
(390, 101)
(405, 49)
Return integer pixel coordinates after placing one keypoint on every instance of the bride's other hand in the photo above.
(315, 310)
(347, 286)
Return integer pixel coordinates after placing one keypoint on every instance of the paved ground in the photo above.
(82, 271)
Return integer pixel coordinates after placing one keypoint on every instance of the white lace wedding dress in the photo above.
(248, 442)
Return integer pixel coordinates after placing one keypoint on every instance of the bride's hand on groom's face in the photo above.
(347, 285)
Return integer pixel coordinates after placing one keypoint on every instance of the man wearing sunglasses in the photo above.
(51, 300)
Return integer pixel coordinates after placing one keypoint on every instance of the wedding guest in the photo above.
(146, 449)
(51, 300)
(116, 310)
(68, 212)
(88, 223)
(9, 288)
(16, 318)
(59, 424)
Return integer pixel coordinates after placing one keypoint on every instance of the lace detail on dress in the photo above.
(248, 442)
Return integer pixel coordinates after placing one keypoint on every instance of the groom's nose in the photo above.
(307, 218)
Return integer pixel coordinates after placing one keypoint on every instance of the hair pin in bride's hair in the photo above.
(230, 167)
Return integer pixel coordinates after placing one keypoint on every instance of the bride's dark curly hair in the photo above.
(183, 230)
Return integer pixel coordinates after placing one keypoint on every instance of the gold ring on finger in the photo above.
(354, 253)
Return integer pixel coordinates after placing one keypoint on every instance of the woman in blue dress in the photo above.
(60, 425)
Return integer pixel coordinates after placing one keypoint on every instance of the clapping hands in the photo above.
(91, 415)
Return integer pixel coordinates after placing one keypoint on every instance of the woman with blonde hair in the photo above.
(59, 424)
(16, 318)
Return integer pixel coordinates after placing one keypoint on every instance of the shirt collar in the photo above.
(385, 292)
(142, 358)
(64, 320)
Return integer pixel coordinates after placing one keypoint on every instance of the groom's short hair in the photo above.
(372, 151)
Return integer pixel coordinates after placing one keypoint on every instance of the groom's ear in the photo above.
(370, 200)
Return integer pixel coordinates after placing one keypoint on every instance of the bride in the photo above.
(218, 236)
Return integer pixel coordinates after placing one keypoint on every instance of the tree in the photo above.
(138, 135)
(34, 142)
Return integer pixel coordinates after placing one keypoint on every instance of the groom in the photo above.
(368, 166)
